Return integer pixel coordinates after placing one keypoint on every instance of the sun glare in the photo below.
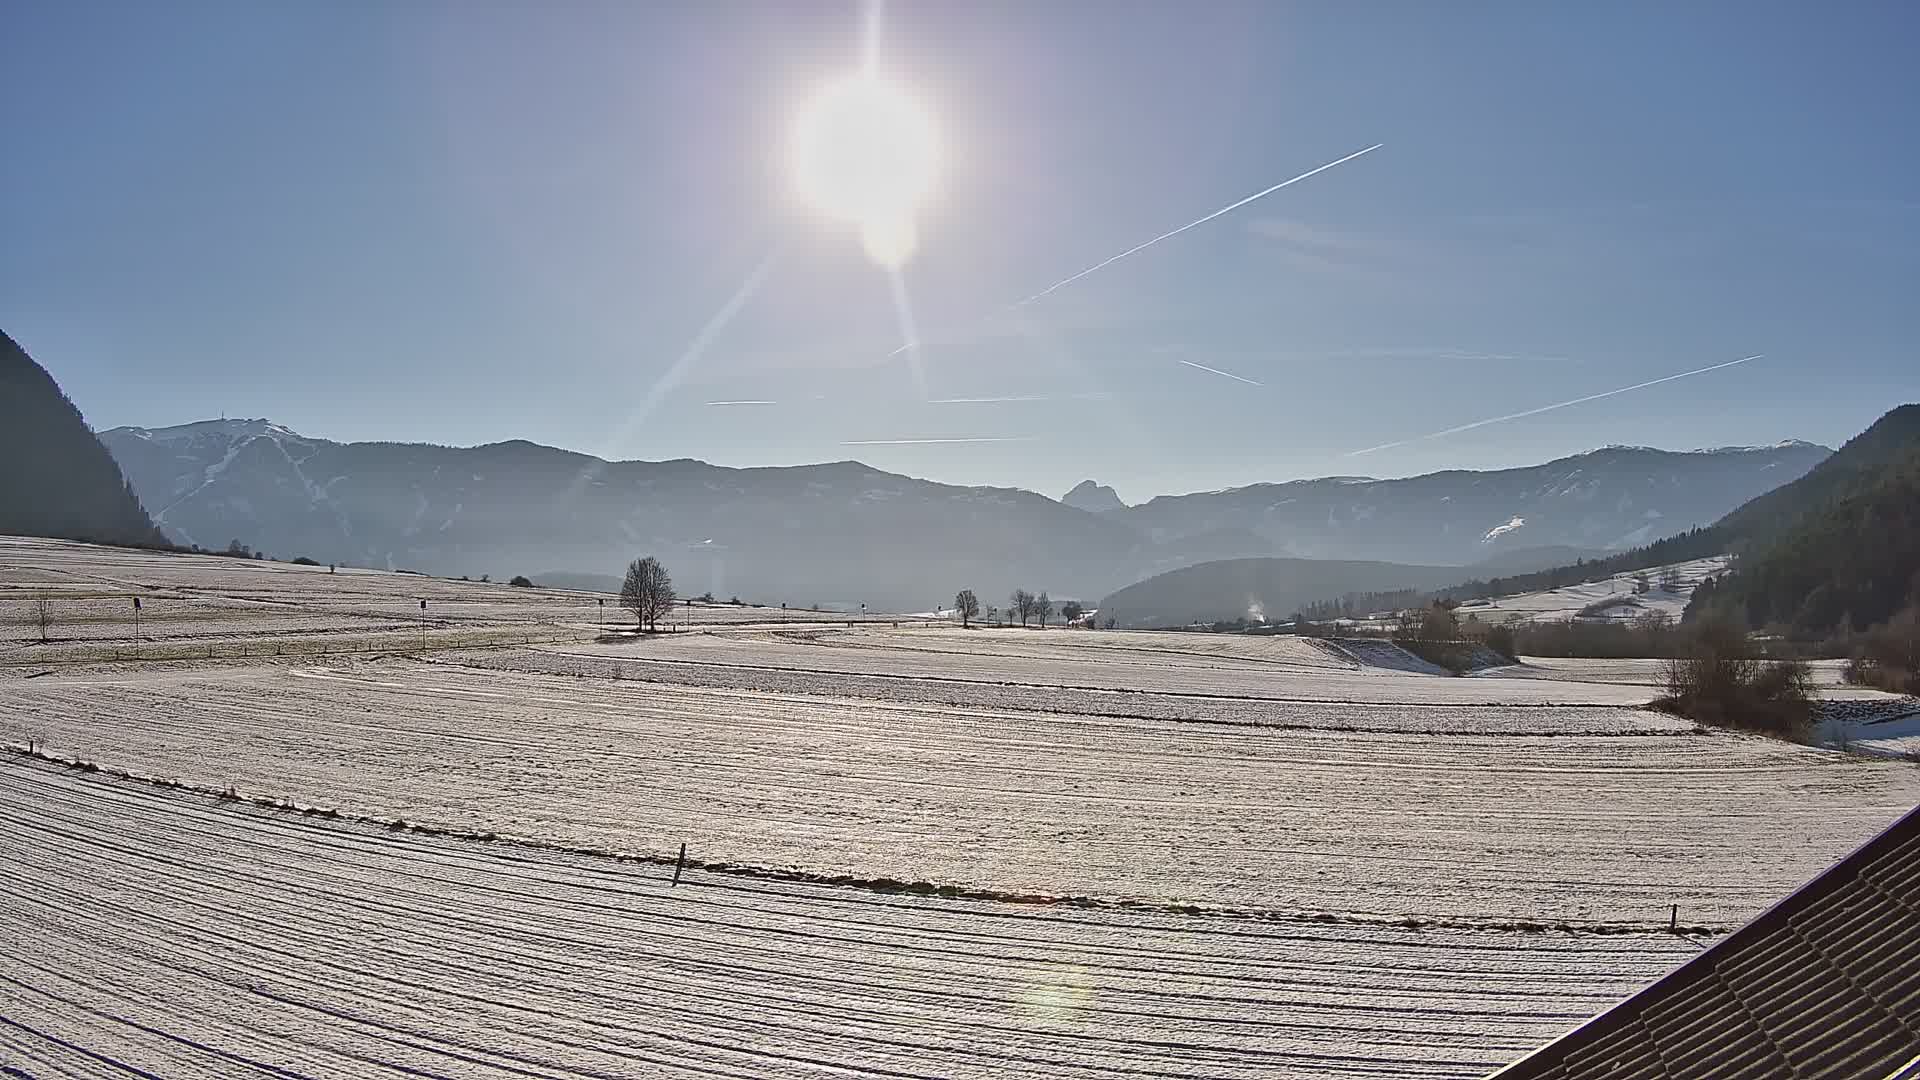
(865, 153)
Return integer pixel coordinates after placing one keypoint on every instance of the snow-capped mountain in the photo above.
(846, 533)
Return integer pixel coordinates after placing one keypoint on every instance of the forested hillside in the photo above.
(1847, 471)
(1843, 565)
(57, 479)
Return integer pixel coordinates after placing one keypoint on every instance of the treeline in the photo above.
(1357, 605)
(1652, 635)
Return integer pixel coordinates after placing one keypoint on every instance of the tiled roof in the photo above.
(1825, 984)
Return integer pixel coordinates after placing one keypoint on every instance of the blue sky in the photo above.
(464, 223)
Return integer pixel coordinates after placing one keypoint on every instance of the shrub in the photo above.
(521, 581)
(1888, 656)
(1500, 640)
(302, 560)
(1720, 681)
(1599, 608)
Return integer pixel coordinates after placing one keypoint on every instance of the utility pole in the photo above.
(423, 624)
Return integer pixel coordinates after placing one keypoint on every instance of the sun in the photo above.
(866, 153)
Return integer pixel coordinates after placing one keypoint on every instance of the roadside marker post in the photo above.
(680, 865)
(423, 624)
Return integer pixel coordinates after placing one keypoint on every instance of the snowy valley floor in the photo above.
(160, 933)
(1060, 853)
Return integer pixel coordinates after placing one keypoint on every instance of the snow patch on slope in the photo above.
(1499, 531)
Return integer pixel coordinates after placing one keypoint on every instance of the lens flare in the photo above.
(866, 153)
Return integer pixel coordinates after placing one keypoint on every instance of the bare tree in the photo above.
(647, 591)
(1071, 611)
(1042, 607)
(968, 605)
(1020, 604)
(1670, 581)
(43, 615)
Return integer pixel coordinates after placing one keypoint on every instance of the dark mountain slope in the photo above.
(1850, 469)
(1837, 552)
(57, 480)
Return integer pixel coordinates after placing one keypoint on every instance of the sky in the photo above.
(575, 224)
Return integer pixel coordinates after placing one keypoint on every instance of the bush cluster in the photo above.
(1721, 681)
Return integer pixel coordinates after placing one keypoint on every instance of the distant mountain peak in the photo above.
(222, 428)
(1093, 498)
(1783, 444)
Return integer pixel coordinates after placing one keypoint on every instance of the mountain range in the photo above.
(846, 533)
(1831, 553)
(1613, 498)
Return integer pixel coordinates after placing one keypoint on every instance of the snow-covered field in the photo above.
(1560, 605)
(1579, 814)
(160, 933)
(1109, 853)
(1232, 666)
(249, 607)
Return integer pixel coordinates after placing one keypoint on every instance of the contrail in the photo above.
(1550, 408)
(989, 400)
(1229, 208)
(931, 442)
(743, 402)
(1217, 371)
(1175, 232)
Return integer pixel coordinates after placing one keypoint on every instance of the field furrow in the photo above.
(155, 932)
(1548, 827)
